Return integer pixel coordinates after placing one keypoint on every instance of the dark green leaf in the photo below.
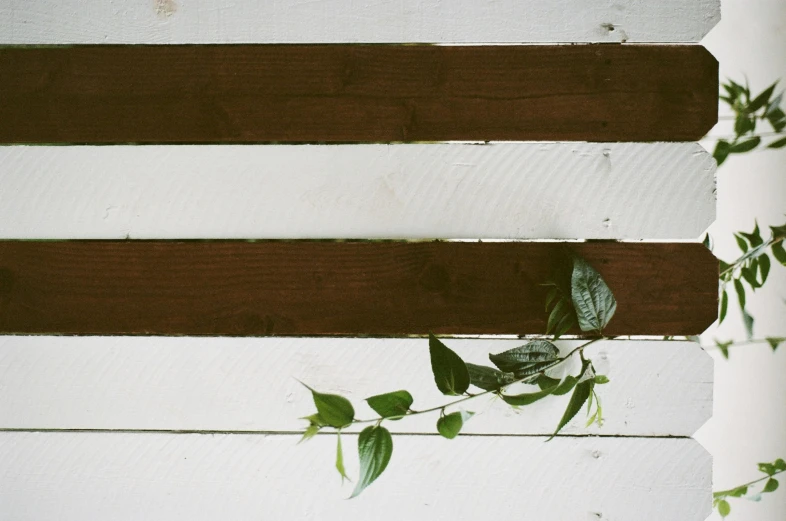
(747, 319)
(771, 485)
(707, 241)
(774, 104)
(745, 146)
(764, 267)
(450, 372)
(740, 289)
(560, 388)
(775, 342)
(779, 252)
(592, 299)
(333, 409)
(754, 238)
(724, 347)
(550, 296)
(741, 242)
(762, 99)
(749, 274)
(778, 232)
(391, 405)
(722, 150)
(776, 118)
(450, 425)
(557, 314)
(724, 306)
(724, 509)
(579, 397)
(375, 446)
(519, 359)
(488, 378)
(732, 90)
(743, 124)
(779, 143)
(601, 379)
(779, 464)
(768, 468)
(340, 459)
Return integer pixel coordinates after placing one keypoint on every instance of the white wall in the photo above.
(749, 422)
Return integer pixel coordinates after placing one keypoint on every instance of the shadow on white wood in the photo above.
(657, 388)
(518, 190)
(372, 21)
(79, 476)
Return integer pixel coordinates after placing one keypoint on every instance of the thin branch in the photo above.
(723, 493)
(758, 250)
(752, 341)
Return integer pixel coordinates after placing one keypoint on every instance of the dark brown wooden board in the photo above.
(337, 288)
(355, 93)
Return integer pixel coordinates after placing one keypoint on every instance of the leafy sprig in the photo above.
(592, 305)
(721, 498)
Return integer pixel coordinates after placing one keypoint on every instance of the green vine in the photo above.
(721, 498)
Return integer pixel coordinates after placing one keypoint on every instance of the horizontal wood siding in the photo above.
(497, 191)
(338, 21)
(355, 93)
(337, 288)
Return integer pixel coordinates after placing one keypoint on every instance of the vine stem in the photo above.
(751, 254)
(470, 397)
(721, 493)
(752, 341)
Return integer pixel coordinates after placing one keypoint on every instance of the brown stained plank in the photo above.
(355, 93)
(337, 288)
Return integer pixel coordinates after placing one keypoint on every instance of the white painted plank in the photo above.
(372, 21)
(502, 190)
(657, 388)
(78, 476)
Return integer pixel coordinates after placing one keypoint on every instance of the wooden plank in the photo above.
(337, 288)
(657, 388)
(77, 476)
(499, 190)
(339, 21)
(355, 93)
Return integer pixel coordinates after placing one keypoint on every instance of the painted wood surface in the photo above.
(498, 191)
(250, 21)
(657, 388)
(338, 288)
(355, 93)
(77, 476)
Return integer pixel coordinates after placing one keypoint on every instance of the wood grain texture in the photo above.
(337, 288)
(657, 388)
(355, 93)
(339, 21)
(78, 476)
(450, 191)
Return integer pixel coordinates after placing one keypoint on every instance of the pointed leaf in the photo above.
(375, 446)
(724, 347)
(450, 372)
(779, 252)
(754, 238)
(768, 468)
(340, 459)
(309, 433)
(779, 143)
(764, 267)
(488, 378)
(601, 379)
(740, 290)
(748, 321)
(333, 409)
(762, 99)
(779, 464)
(722, 151)
(560, 388)
(707, 241)
(741, 242)
(450, 425)
(775, 342)
(745, 146)
(724, 306)
(391, 405)
(579, 397)
(524, 357)
(592, 298)
(771, 485)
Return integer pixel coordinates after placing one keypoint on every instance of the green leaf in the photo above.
(764, 267)
(309, 433)
(579, 397)
(754, 238)
(724, 347)
(779, 464)
(562, 387)
(722, 151)
(391, 405)
(450, 425)
(778, 232)
(780, 143)
(488, 378)
(771, 485)
(724, 306)
(743, 124)
(375, 446)
(333, 409)
(768, 468)
(779, 252)
(340, 459)
(745, 146)
(748, 321)
(776, 118)
(550, 296)
(557, 314)
(724, 509)
(593, 300)
(762, 99)
(707, 241)
(520, 359)
(450, 372)
(740, 290)
(775, 342)
(601, 379)
(741, 242)
(749, 274)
